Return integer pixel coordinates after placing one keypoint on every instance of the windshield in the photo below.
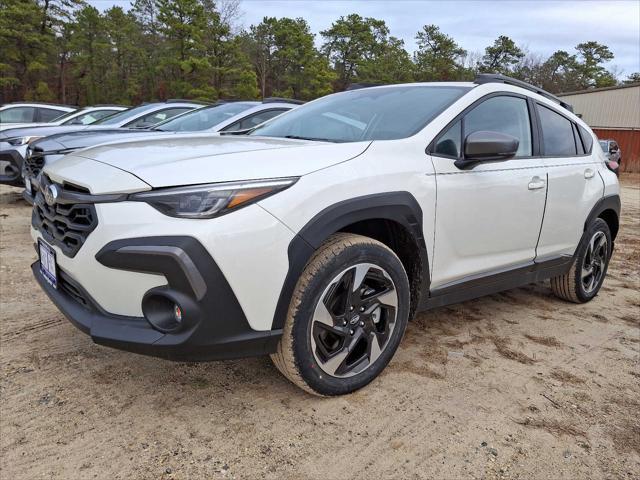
(604, 146)
(122, 117)
(204, 118)
(385, 113)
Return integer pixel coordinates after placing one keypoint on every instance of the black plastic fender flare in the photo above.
(400, 207)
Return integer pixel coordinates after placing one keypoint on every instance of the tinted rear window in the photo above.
(557, 133)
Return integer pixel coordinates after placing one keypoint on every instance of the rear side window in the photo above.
(557, 134)
(508, 115)
(18, 115)
(48, 114)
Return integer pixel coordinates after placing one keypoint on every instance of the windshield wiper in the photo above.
(314, 139)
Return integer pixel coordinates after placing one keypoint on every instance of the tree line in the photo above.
(68, 51)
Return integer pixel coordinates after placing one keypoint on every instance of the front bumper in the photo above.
(215, 326)
(11, 167)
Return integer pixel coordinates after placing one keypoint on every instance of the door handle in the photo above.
(589, 173)
(536, 183)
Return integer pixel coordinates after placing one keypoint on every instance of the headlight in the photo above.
(18, 141)
(211, 200)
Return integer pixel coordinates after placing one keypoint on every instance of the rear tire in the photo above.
(348, 313)
(583, 281)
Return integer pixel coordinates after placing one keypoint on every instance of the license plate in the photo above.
(27, 185)
(48, 263)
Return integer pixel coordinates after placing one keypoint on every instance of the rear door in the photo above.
(488, 217)
(574, 183)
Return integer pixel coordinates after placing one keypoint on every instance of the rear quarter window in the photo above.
(587, 139)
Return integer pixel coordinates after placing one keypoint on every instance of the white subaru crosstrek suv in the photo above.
(315, 238)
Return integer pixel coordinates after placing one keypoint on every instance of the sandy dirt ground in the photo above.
(515, 385)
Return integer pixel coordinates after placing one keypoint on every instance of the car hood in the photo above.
(45, 131)
(40, 131)
(202, 158)
(86, 138)
(7, 126)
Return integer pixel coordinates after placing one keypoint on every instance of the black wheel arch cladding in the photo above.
(400, 207)
(607, 208)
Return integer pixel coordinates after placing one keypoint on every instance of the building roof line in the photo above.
(602, 89)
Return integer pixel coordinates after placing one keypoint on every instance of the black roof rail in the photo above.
(483, 78)
(282, 100)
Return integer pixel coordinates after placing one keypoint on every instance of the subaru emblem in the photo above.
(50, 194)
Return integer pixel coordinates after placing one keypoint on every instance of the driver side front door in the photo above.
(488, 217)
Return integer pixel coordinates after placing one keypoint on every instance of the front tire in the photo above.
(347, 316)
(583, 281)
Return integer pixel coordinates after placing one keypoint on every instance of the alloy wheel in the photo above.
(594, 262)
(353, 320)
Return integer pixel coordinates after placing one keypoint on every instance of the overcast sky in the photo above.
(542, 26)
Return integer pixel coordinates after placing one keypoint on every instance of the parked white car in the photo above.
(315, 238)
(14, 141)
(231, 117)
(83, 116)
(29, 112)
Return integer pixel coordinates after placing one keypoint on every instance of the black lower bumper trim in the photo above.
(212, 338)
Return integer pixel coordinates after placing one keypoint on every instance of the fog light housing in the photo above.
(164, 312)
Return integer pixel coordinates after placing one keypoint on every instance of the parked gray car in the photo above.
(613, 153)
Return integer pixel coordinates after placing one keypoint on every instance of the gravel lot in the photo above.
(515, 385)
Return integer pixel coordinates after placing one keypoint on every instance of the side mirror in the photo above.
(486, 146)
(613, 149)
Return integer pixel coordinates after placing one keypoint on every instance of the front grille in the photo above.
(66, 225)
(33, 162)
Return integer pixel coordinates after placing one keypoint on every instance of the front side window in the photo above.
(378, 113)
(17, 115)
(508, 115)
(557, 134)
